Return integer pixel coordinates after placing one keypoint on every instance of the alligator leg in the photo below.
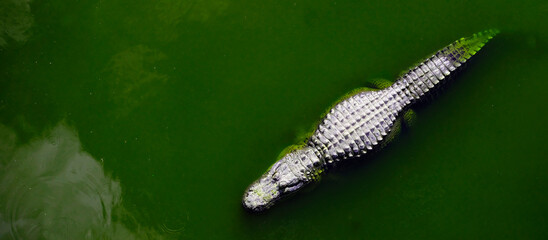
(406, 120)
(409, 118)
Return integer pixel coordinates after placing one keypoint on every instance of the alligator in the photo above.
(360, 122)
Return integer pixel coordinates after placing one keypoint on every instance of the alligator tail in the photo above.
(432, 71)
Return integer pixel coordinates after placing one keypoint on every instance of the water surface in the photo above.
(148, 119)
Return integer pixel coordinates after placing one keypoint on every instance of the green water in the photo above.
(148, 119)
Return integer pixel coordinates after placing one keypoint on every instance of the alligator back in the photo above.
(360, 122)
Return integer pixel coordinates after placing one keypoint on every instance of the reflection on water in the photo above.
(52, 189)
(7, 144)
(177, 11)
(160, 20)
(15, 21)
(204, 10)
(132, 77)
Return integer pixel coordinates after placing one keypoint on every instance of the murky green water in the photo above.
(148, 119)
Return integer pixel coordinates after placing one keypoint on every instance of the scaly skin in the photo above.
(358, 124)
